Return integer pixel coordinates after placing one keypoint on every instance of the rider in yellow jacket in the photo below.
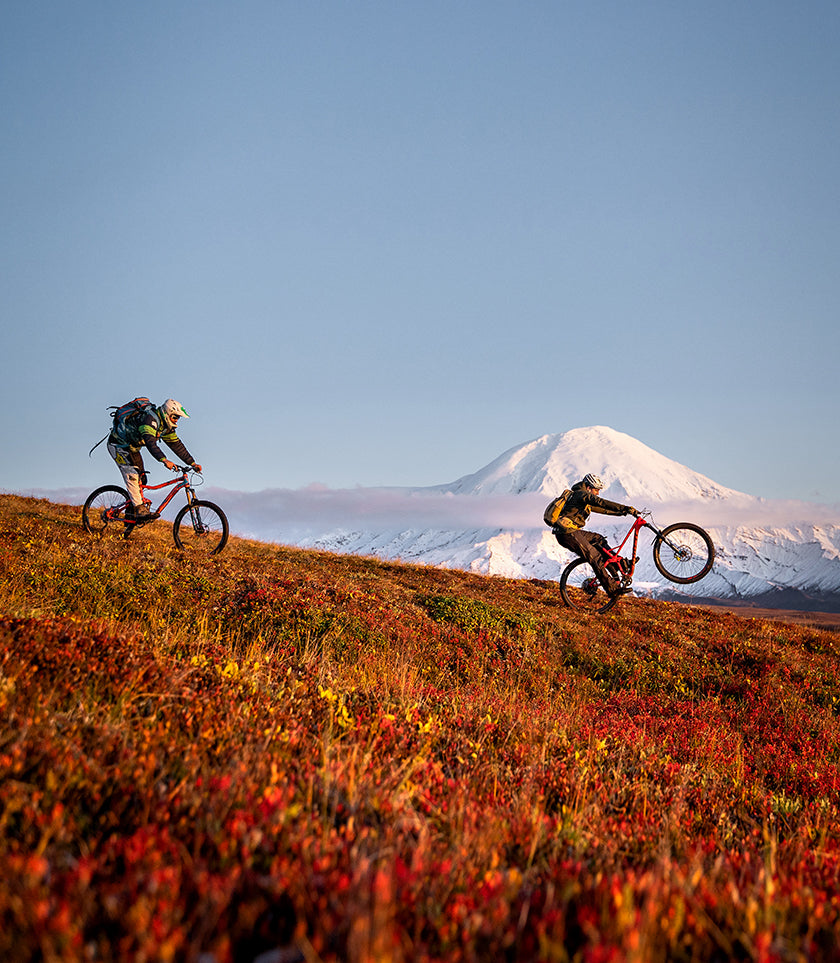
(569, 532)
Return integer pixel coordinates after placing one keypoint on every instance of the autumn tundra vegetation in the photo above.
(286, 755)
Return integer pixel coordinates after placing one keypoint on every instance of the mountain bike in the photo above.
(200, 527)
(682, 552)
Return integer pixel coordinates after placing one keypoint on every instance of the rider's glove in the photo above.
(632, 511)
(196, 466)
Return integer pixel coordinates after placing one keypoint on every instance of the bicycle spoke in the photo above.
(105, 508)
(684, 553)
(581, 589)
(200, 528)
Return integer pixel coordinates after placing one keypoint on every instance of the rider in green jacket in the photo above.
(569, 532)
(127, 440)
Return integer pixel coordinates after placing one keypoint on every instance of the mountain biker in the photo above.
(126, 441)
(569, 532)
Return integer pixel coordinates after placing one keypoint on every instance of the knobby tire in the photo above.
(98, 502)
(201, 528)
(578, 574)
(684, 553)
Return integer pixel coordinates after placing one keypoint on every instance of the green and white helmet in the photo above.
(171, 410)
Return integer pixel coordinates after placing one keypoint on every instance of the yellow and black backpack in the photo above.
(551, 516)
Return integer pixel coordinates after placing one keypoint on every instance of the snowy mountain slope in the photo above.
(759, 549)
(752, 561)
(749, 563)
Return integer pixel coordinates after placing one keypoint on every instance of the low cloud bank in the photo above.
(282, 514)
(270, 513)
(63, 496)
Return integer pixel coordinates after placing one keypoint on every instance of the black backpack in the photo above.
(130, 411)
(121, 415)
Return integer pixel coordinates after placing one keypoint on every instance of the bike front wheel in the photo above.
(200, 528)
(684, 552)
(106, 506)
(581, 590)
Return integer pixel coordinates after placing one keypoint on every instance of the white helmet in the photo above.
(593, 481)
(171, 410)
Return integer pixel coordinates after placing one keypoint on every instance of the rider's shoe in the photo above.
(142, 515)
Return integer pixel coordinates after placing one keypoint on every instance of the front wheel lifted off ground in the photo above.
(684, 552)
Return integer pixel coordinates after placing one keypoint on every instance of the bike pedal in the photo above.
(145, 519)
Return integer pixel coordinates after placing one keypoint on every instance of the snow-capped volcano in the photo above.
(629, 469)
(490, 521)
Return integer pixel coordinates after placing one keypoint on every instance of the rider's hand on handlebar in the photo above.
(169, 464)
(196, 466)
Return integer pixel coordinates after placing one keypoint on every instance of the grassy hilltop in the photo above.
(337, 758)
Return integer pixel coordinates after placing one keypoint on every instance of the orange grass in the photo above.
(336, 758)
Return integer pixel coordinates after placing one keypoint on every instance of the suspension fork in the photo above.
(661, 537)
(195, 515)
(658, 533)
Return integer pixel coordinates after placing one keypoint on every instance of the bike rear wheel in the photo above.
(200, 528)
(106, 506)
(581, 590)
(684, 552)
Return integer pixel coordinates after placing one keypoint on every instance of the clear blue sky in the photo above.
(376, 243)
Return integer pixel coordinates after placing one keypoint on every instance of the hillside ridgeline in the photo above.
(321, 757)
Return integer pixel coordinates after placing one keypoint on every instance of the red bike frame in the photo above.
(614, 554)
(179, 483)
